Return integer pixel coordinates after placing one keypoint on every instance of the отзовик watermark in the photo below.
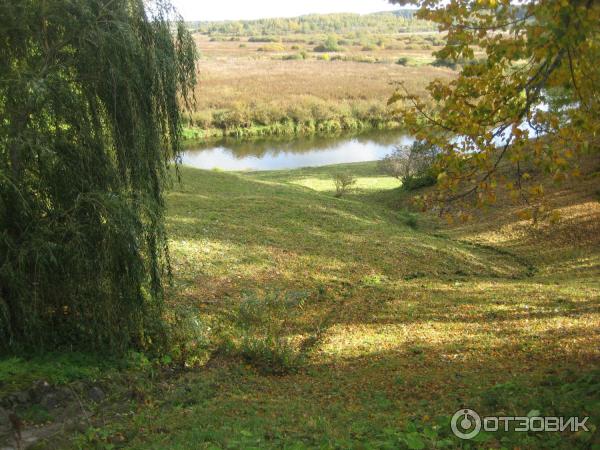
(466, 423)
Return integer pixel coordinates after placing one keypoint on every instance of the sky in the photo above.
(258, 9)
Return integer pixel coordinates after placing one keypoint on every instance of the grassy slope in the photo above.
(416, 325)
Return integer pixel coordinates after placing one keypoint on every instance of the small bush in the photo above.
(272, 355)
(448, 63)
(260, 333)
(330, 45)
(264, 39)
(189, 338)
(413, 165)
(275, 47)
(403, 61)
(413, 183)
(343, 183)
(293, 56)
(411, 221)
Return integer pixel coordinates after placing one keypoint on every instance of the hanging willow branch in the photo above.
(90, 121)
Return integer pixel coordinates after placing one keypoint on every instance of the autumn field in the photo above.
(287, 88)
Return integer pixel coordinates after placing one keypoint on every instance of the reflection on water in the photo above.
(304, 152)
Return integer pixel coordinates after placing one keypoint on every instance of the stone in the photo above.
(65, 394)
(22, 397)
(39, 389)
(96, 394)
(50, 401)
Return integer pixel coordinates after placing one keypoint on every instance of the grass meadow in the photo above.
(401, 319)
(354, 323)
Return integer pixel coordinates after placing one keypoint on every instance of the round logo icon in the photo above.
(466, 424)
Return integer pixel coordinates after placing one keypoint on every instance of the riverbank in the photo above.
(287, 129)
(316, 322)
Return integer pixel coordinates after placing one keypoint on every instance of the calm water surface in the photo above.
(305, 152)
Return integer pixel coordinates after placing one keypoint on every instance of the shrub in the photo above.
(413, 165)
(293, 56)
(445, 63)
(330, 45)
(343, 182)
(260, 332)
(189, 337)
(403, 61)
(413, 183)
(275, 47)
(411, 221)
(271, 355)
(264, 39)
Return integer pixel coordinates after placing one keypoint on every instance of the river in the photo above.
(272, 154)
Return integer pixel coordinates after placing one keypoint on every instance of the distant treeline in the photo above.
(385, 22)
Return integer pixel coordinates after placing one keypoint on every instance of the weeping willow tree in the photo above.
(91, 100)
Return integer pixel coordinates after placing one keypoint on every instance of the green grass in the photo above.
(19, 373)
(320, 178)
(416, 324)
(393, 325)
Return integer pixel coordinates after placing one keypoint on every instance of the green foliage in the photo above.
(271, 355)
(343, 182)
(411, 220)
(441, 62)
(260, 332)
(89, 100)
(414, 182)
(274, 47)
(489, 121)
(414, 165)
(373, 280)
(56, 368)
(190, 340)
(388, 22)
(567, 395)
(264, 39)
(402, 61)
(330, 45)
